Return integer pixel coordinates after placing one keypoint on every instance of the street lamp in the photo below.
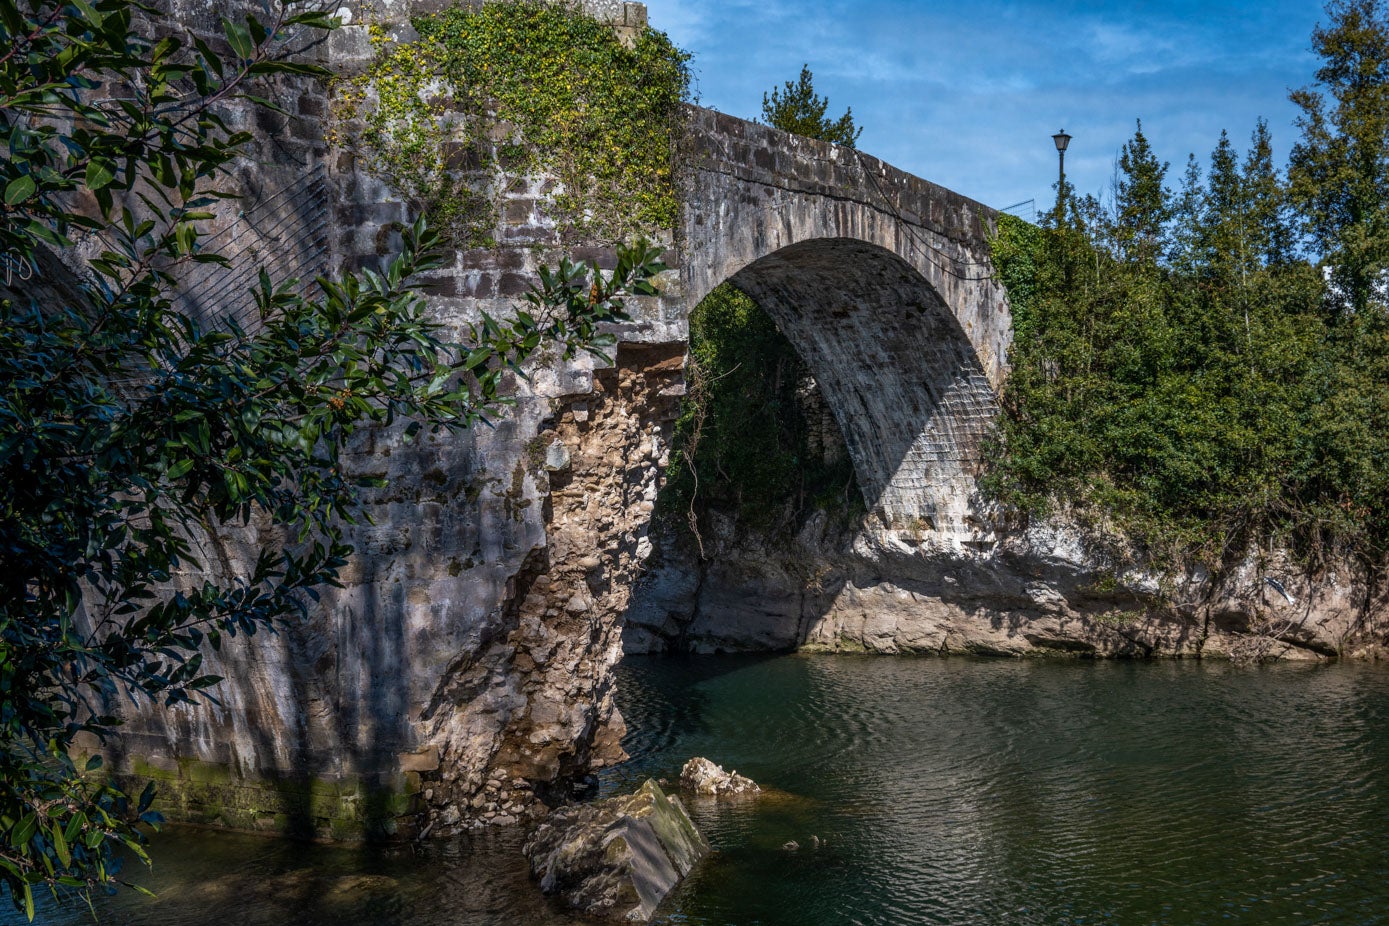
(1062, 140)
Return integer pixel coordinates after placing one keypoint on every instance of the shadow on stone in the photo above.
(617, 858)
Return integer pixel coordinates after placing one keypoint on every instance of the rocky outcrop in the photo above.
(868, 585)
(617, 858)
(530, 710)
(709, 780)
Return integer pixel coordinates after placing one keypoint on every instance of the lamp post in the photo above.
(1062, 140)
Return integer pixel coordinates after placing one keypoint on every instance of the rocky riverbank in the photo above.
(866, 585)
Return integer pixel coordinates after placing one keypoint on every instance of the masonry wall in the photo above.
(461, 675)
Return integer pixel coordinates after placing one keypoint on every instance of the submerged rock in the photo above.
(616, 858)
(704, 777)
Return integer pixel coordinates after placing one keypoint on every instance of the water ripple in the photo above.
(941, 791)
(981, 792)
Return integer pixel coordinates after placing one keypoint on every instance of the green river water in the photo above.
(951, 791)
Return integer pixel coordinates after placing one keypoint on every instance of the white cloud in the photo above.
(970, 98)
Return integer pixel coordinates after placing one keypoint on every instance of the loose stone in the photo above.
(704, 777)
(617, 858)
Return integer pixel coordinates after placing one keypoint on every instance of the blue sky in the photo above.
(968, 95)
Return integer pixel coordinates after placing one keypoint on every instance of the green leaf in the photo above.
(19, 189)
(22, 833)
(239, 38)
(60, 846)
(100, 173)
(85, 8)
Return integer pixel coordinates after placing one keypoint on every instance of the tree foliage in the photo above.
(1142, 207)
(131, 430)
(796, 108)
(1182, 379)
(1338, 171)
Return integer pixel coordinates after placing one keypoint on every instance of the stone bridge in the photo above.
(881, 281)
(462, 674)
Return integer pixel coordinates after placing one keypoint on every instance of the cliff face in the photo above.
(867, 585)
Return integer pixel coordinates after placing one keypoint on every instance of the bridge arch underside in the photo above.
(892, 362)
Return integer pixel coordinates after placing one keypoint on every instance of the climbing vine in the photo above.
(515, 90)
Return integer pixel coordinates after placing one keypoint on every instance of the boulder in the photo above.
(616, 858)
(705, 778)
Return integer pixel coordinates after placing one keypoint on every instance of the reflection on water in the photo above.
(203, 876)
(1044, 792)
(949, 791)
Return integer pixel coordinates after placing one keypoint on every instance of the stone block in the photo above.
(513, 284)
(616, 859)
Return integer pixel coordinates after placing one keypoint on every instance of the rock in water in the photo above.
(616, 858)
(704, 777)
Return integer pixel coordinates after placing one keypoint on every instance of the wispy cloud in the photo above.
(970, 98)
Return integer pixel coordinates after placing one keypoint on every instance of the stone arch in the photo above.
(881, 281)
(903, 382)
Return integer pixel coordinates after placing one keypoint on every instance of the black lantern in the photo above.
(1062, 140)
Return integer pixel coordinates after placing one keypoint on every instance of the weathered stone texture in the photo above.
(708, 779)
(466, 660)
(464, 664)
(618, 858)
(462, 674)
(865, 586)
(882, 282)
(530, 709)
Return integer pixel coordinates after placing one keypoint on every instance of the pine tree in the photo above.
(1188, 216)
(797, 109)
(1339, 171)
(1272, 240)
(1142, 206)
(1224, 242)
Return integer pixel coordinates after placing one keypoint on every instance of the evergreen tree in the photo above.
(1142, 206)
(1188, 215)
(1272, 240)
(796, 108)
(1214, 407)
(1339, 171)
(1224, 244)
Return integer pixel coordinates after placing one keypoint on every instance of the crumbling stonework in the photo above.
(532, 709)
(461, 674)
(463, 666)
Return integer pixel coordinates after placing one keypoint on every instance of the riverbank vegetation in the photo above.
(1202, 371)
(753, 435)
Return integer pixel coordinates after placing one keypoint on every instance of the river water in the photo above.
(953, 791)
